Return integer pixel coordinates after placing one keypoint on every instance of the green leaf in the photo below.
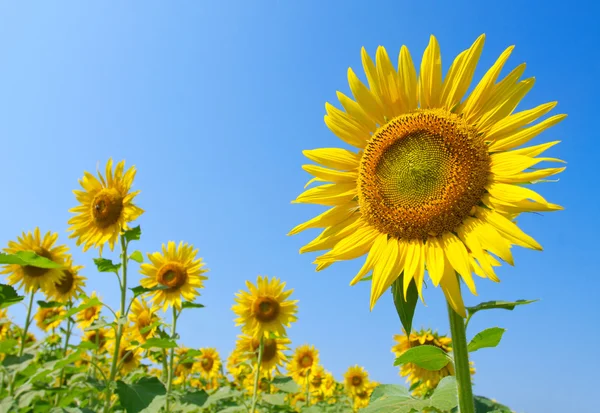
(28, 258)
(133, 234)
(189, 304)
(106, 265)
(490, 337)
(197, 398)
(221, 394)
(425, 356)
(137, 256)
(137, 396)
(159, 343)
(504, 305)
(7, 345)
(389, 390)
(405, 308)
(485, 405)
(50, 304)
(9, 296)
(276, 399)
(91, 302)
(285, 384)
(139, 290)
(367, 278)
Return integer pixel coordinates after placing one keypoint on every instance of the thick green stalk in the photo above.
(461, 362)
(171, 362)
(62, 380)
(257, 374)
(27, 324)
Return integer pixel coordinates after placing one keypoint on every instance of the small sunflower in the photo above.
(177, 269)
(361, 398)
(34, 278)
(105, 207)
(264, 383)
(208, 363)
(4, 324)
(187, 366)
(265, 308)
(99, 337)
(304, 359)
(356, 379)
(316, 380)
(238, 366)
(129, 354)
(86, 317)
(49, 318)
(329, 386)
(273, 348)
(435, 181)
(143, 318)
(71, 284)
(423, 380)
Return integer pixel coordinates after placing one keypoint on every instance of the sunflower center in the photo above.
(269, 348)
(97, 338)
(356, 381)
(421, 174)
(106, 207)
(265, 309)
(206, 363)
(306, 361)
(317, 381)
(126, 356)
(66, 283)
(172, 275)
(36, 272)
(89, 313)
(264, 385)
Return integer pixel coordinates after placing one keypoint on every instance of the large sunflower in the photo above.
(33, 278)
(436, 181)
(177, 269)
(144, 319)
(71, 284)
(273, 355)
(49, 318)
(86, 317)
(265, 308)
(105, 207)
(304, 359)
(208, 364)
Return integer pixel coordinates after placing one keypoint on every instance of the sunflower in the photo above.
(33, 278)
(264, 383)
(129, 354)
(329, 385)
(436, 182)
(356, 379)
(422, 380)
(86, 317)
(49, 318)
(361, 398)
(178, 270)
(208, 363)
(304, 359)
(265, 308)
(105, 207)
(99, 337)
(4, 324)
(238, 367)
(144, 319)
(316, 380)
(71, 284)
(273, 348)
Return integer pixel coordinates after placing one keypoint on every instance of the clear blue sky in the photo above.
(214, 103)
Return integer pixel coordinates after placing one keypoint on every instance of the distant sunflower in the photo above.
(238, 366)
(265, 308)
(33, 278)
(329, 385)
(48, 318)
(356, 379)
(129, 354)
(208, 363)
(105, 207)
(182, 355)
(86, 317)
(423, 380)
(71, 284)
(99, 337)
(143, 318)
(361, 398)
(304, 359)
(177, 269)
(436, 181)
(273, 355)
(264, 383)
(316, 380)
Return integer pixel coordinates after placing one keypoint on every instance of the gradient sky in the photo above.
(214, 103)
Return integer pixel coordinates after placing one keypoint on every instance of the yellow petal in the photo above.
(388, 84)
(523, 136)
(345, 127)
(459, 258)
(328, 194)
(328, 218)
(508, 229)
(365, 98)
(336, 158)
(528, 177)
(353, 246)
(451, 290)
(518, 120)
(330, 175)
(374, 256)
(356, 112)
(506, 106)
(430, 78)
(408, 80)
(387, 269)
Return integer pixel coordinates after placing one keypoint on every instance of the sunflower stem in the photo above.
(257, 373)
(171, 362)
(27, 324)
(461, 362)
(307, 388)
(67, 337)
(115, 358)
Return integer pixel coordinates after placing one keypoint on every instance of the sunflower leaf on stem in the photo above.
(133, 234)
(137, 257)
(49, 304)
(405, 308)
(189, 304)
(139, 290)
(28, 258)
(425, 356)
(106, 265)
(490, 337)
(9, 296)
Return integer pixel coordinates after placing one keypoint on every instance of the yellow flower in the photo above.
(177, 269)
(105, 207)
(265, 308)
(33, 278)
(264, 383)
(316, 380)
(209, 363)
(86, 317)
(435, 182)
(273, 348)
(237, 366)
(305, 358)
(71, 284)
(423, 380)
(329, 385)
(361, 397)
(129, 355)
(143, 318)
(99, 337)
(355, 379)
(54, 339)
(48, 318)
(4, 323)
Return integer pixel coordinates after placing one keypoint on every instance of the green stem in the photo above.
(171, 361)
(115, 358)
(165, 372)
(63, 381)
(27, 323)
(461, 362)
(257, 374)
(307, 389)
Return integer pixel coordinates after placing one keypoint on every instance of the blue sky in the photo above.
(214, 103)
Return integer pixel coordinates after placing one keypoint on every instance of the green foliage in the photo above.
(189, 304)
(137, 256)
(50, 304)
(135, 397)
(9, 296)
(425, 356)
(485, 405)
(405, 307)
(196, 398)
(285, 384)
(133, 234)
(490, 337)
(503, 305)
(154, 342)
(139, 290)
(106, 265)
(28, 258)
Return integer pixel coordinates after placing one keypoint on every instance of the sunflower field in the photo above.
(429, 193)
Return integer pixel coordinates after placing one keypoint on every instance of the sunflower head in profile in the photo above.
(34, 278)
(273, 356)
(178, 270)
(265, 308)
(421, 380)
(435, 180)
(302, 362)
(70, 286)
(105, 207)
(144, 319)
(86, 317)
(356, 379)
(208, 364)
(49, 318)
